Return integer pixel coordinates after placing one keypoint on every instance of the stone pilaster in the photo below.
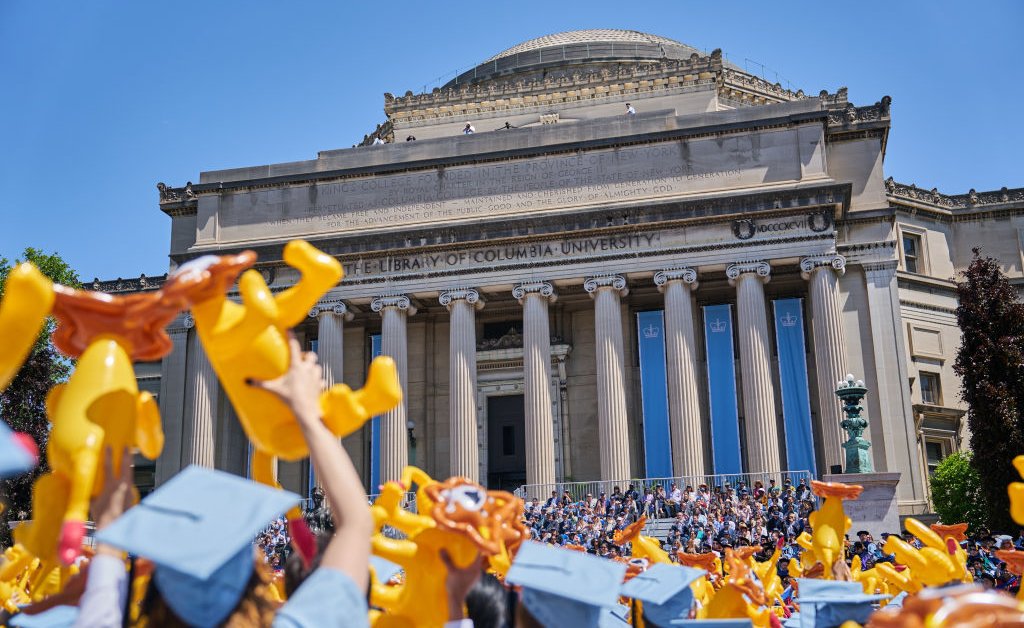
(394, 446)
(898, 432)
(173, 379)
(331, 318)
(613, 427)
(540, 438)
(463, 441)
(822, 273)
(686, 421)
(199, 446)
(755, 366)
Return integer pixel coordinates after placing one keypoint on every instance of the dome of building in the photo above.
(591, 36)
(576, 48)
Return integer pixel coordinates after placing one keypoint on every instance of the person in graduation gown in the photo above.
(198, 528)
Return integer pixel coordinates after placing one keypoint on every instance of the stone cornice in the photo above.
(613, 282)
(631, 217)
(583, 82)
(955, 206)
(142, 283)
(927, 306)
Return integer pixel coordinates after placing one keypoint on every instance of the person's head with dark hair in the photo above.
(295, 572)
(487, 603)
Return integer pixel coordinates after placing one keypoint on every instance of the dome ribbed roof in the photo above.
(594, 35)
(575, 48)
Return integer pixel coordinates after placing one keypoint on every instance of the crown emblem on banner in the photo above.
(788, 320)
(650, 331)
(717, 326)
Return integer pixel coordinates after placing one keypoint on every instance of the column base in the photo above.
(877, 510)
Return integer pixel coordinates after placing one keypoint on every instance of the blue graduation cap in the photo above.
(565, 588)
(217, 515)
(714, 623)
(665, 591)
(56, 617)
(614, 617)
(16, 456)
(383, 569)
(829, 603)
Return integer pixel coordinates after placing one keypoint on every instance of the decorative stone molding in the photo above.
(953, 201)
(175, 195)
(761, 268)
(140, 284)
(685, 275)
(470, 295)
(615, 282)
(400, 301)
(851, 114)
(331, 307)
(543, 288)
(878, 267)
(808, 264)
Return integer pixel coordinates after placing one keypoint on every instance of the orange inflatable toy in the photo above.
(249, 341)
(457, 515)
(99, 406)
(830, 523)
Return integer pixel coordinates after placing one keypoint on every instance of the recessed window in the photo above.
(931, 388)
(935, 451)
(912, 253)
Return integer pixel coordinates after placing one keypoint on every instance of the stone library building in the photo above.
(604, 255)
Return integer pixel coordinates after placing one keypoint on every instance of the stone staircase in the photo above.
(658, 528)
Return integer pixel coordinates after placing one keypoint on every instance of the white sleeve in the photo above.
(102, 603)
(459, 623)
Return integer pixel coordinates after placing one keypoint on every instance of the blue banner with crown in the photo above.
(796, 403)
(375, 348)
(654, 394)
(725, 422)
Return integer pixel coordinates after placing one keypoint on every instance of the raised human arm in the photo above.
(300, 388)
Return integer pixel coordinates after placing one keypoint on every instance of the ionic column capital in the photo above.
(760, 268)
(811, 263)
(613, 282)
(397, 301)
(468, 295)
(337, 308)
(688, 276)
(187, 322)
(542, 288)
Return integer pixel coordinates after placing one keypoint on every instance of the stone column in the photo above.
(755, 366)
(613, 428)
(172, 403)
(394, 446)
(331, 317)
(463, 442)
(540, 436)
(687, 427)
(199, 445)
(822, 272)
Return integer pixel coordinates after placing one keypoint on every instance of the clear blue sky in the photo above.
(99, 100)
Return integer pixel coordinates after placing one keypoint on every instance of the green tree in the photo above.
(990, 364)
(23, 403)
(956, 492)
